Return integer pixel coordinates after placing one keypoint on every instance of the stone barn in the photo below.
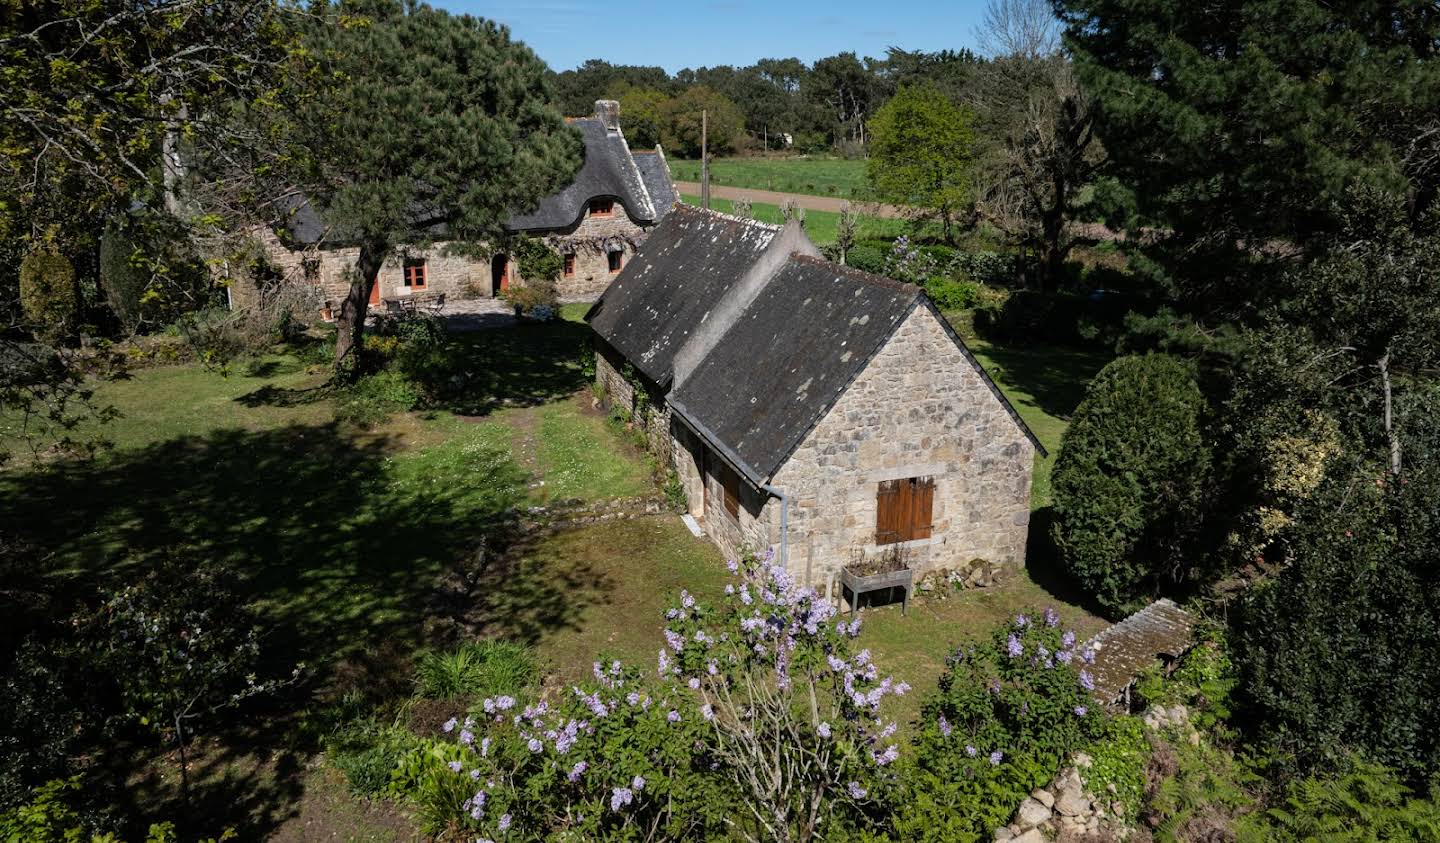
(595, 223)
(822, 412)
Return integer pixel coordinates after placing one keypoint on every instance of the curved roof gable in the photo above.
(609, 172)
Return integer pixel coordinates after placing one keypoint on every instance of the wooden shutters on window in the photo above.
(903, 509)
(569, 264)
(602, 208)
(730, 482)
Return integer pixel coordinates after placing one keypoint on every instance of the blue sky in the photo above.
(684, 33)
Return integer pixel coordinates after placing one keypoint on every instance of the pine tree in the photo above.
(1239, 126)
(422, 125)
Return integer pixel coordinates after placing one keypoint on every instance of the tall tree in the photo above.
(920, 154)
(1245, 122)
(424, 125)
(725, 122)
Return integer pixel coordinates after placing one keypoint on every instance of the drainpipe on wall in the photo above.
(784, 526)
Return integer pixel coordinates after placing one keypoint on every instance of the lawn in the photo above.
(799, 174)
(360, 545)
(820, 225)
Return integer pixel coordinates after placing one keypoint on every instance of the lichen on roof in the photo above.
(1125, 650)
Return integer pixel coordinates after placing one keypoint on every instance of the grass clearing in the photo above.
(797, 174)
(820, 225)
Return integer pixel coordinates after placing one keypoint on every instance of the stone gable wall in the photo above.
(920, 408)
(458, 276)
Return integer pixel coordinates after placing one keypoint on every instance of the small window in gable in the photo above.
(569, 264)
(602, 207)
(415, 273)
(616, 260)
(903, 509)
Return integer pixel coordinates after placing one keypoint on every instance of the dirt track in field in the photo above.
(775, 197)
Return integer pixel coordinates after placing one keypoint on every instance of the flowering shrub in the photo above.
(1006, 716)
(757, 722)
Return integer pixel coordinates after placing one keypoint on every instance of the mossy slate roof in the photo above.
(790, 355)
(681, 270)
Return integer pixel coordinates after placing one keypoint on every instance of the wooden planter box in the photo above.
(858, 585)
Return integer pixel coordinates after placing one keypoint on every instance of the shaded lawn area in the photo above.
(819, 225)
(814, 176)
(1046, 384)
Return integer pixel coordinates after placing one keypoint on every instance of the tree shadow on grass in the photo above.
(1055, 377)
(1043, 564)
(529, 364)
(341, 547)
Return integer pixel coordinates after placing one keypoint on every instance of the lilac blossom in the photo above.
(673, 716)
(638, 783)
(890, 754)
(1087, 681)
(944, 726)
(450, 725)
(535, 745)
(1014, 647)
(1080, 710)
(455, 766)
(996, 757)
(856, 791)
(823, 729)
(620, 796)
(1052, 618)
(504, 824)
(970, 750)
(577, 771)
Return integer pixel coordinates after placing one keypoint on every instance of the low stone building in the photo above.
(823, 412)
(595, 224)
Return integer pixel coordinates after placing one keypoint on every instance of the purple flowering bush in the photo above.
(599, 759)
(1006, 716)
(795, 717)
(757, 722)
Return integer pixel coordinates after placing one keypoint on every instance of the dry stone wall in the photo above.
(920, 408)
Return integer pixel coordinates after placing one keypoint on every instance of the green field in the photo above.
(812, 176)
(820, 225)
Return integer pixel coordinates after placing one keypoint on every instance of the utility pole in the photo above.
(705, 159)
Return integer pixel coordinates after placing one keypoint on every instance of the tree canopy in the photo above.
(422, 124)
(920, 153)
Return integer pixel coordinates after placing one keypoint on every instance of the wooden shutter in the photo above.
(903, 509)
(730, 481)
(888, 515)
(922, 500)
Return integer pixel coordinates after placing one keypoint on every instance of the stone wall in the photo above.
(920, 408)
(459, 276)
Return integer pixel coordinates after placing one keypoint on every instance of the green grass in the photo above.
(820, 225)
(813, 176)
(1045, 384)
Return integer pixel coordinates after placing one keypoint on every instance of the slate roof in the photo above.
(1123, 651)
(789, 357)
(655, 172)
(683, 268)
(609, 171)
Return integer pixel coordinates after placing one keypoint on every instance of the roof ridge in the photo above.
(711, 212)
(859, 274)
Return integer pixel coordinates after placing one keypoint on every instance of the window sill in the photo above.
(913, 544)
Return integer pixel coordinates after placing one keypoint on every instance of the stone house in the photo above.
(809, 408)
(595, 223)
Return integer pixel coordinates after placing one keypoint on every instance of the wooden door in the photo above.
(375, 293)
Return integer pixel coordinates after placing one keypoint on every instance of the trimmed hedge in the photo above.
(1131, 471)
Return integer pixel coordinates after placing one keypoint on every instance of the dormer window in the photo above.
(602, 207)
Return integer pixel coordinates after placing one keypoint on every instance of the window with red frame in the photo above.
(602, 208)
(569, 264)
(616, 261)
(415, 273)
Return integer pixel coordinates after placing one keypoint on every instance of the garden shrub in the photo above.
(867, 257)
(536, 260)
(1359, 597)
(533, 295)
(48, 295)
(1132, 470)
(476, 668)
(1008, 714)
(374, 398)
(949, 294)
(758, 721)
(123, 279)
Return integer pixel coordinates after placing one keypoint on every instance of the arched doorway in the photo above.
(499, 274)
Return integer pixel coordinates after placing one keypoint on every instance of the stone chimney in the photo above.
(608, 112)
